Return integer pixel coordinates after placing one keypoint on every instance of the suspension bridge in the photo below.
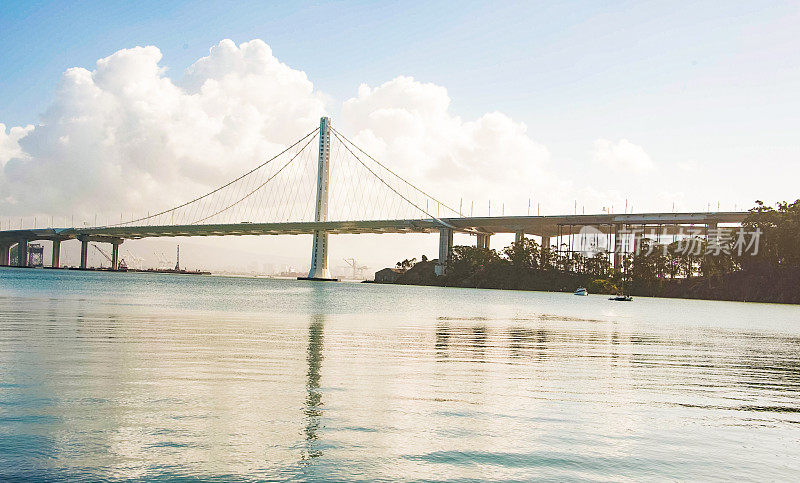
(325, 184)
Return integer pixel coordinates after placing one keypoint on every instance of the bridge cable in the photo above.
(335, 133)
(223, 186)
(259, 186)
(341, 136)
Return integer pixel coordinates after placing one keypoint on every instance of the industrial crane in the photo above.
(163, 261)
(358, 270)
(137, 261)
(120, 266)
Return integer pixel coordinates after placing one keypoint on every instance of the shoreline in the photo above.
(741, 286)
(567, 292)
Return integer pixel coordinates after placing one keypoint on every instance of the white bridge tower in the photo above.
(319, 255)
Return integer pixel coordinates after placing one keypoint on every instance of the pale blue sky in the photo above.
(713, 83)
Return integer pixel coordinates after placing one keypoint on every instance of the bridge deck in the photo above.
(532, 225)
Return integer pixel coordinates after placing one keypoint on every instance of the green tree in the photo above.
(466, 260)
(523, 255)
(779, 230)
(406, 264)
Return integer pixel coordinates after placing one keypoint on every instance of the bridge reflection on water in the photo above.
(107, 376)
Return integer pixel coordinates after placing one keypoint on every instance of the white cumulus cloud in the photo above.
(622, 155)
(9, 142)
(408, 124)
(127, 137)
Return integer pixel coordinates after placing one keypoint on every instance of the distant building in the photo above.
(388, 275)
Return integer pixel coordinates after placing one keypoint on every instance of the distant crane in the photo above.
(120, 265)
(137, 261)
(358, 270)
(163, 261)
(107, 257)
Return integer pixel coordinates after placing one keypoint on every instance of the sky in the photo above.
(108, 107)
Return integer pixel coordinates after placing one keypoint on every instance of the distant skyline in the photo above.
(660, 105)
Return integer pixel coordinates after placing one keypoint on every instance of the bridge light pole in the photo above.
(319, 254)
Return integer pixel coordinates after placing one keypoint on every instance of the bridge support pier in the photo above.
(56, 262)
(5, 254)
(115, 254)
(84, 252)
(22, 253)
(545, 250)
(638, 236)
(519, 236)
(617, 249)
(445, 250)
(483, 241)
(319, 259)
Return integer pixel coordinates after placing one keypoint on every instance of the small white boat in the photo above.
(581, 291)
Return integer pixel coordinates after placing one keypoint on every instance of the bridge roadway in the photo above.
(483, 227)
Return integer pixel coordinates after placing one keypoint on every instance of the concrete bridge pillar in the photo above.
(519, 236)
(115, 254)
(84, 252)
(617, 248)
(545, 249)
(638, 236)
(5, 253)
(445, 250)
(56, 254)
(712, 232)
(319, 257)
(22, 253)
(483, 241)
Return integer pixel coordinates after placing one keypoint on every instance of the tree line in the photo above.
(758, 262)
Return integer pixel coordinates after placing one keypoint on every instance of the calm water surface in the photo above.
(109, 376)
